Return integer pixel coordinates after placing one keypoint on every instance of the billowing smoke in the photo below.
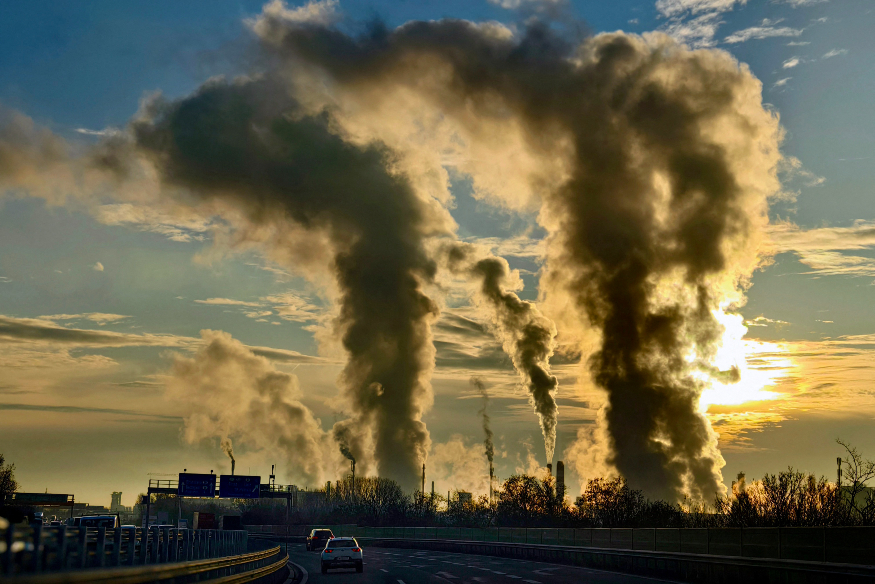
(248, 148)
(227, 391)
(228, 448)
(527, 335)
(341, 436)
(487, 430)
(661, 160)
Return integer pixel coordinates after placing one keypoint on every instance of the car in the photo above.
(108, 521)
(317, 538)
(342, 552)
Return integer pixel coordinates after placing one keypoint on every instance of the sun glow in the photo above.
(760, 365)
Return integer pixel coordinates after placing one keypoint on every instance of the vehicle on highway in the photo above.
(317, 538)
(342, 552)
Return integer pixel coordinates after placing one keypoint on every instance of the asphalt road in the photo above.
(400, 566)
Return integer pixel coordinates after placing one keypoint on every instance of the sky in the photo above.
(119, 316)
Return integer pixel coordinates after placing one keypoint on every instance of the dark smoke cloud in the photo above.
(527, 335)
(247, 145)
(228, 448)
(487, 430)
(668, 161)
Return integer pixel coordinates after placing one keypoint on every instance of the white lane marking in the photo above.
(401, 582)
(512, 576)
(382, 570)
(303, 571)
(446, 575)
(532, 581)
(497, 572)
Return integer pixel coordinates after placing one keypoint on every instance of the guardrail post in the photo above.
(8, 538)
(186, 545)
(174, 545)
(36, 559)
(153, 535)
(82, 547)
(115, 560)
(100, 549)
(165, 548)
(62, 547)
(143, 536)
(130, 558)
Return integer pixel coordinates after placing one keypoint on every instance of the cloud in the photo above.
(98, 267)
(781, 82)
(799, 3)
(82, 410)
(228, 302)
(763, 321)
(835, 53)
(105, 132)
(821, 248)
(762, 32)
(532, 4)
(31, 330)
(100, 318)
(791, 62)
(675, 7)
(316, 12)
(176, 224)
(798, 43)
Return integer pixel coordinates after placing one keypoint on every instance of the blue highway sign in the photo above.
(197, 485)
(239, 487)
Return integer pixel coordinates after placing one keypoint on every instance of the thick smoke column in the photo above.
(527, 335)
(487, 431)
(668, 160)
(247, 146)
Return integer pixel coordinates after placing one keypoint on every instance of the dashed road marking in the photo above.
(515, 577)
(532, 581)
(446, 575)
(382, 570)
(401, 582)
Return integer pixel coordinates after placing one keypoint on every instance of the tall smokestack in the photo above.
(560, 480)
(839, 473)
(233, 463)
(228, 449)
(550, 469)
(491, 479)
(422, 490)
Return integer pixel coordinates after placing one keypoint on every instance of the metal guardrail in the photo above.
(256, 566)
(37, 548)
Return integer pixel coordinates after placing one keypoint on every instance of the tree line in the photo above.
(789, 498)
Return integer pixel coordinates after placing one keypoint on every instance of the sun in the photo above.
(760, 365)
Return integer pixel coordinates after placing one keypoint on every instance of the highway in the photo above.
(400, 566)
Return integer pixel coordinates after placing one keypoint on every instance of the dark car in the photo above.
(317, 538)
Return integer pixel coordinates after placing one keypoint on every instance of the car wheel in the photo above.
(324, 568)
(359, 567)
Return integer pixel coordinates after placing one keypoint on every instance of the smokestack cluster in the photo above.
(560, 480)
(487, 430)
(653, 165)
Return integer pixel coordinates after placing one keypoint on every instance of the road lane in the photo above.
(394, 566)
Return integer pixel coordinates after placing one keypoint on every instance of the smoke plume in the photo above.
(248, 148)
(230, 391)
(527, 335)
(661, 162)
(487, 431)
(228, 448)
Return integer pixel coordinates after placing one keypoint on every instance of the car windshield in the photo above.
(323, 533)
(343, 543)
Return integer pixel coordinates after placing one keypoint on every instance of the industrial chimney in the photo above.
(560, 480)
(839, 464)
(233, 463)
(422, 491)
(550, 468)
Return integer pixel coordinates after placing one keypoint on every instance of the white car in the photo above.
(342, 552)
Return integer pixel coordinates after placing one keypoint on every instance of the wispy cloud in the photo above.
(83, 410)
(798, 3)
(822, 249)
(228, 302)
(781, 82)
(798, 43)
(98, 267)
(183, 227)
(104, 132)
(762, 32)
(694, 22)
(791, 62)
(763, 321)
(100, 318)
(835, 53)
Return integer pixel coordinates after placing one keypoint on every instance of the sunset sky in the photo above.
(103, 300)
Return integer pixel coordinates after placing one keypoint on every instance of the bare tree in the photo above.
(856, 472)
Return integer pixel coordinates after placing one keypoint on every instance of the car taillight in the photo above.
(356, 549)
(328, 551)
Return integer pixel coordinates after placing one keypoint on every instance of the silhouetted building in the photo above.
(560, 480)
